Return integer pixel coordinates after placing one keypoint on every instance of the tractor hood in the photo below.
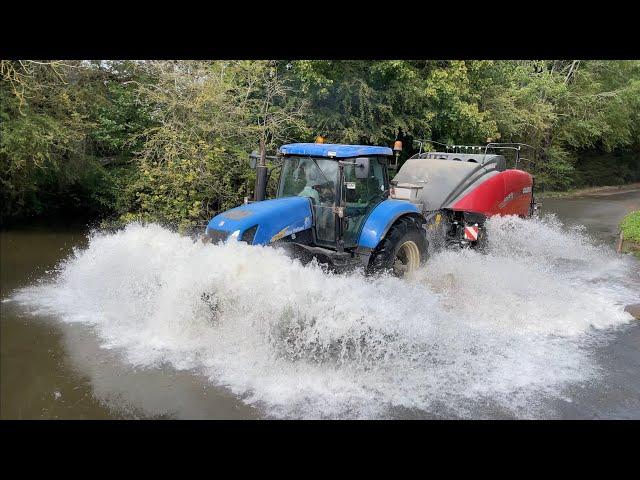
(274, 220)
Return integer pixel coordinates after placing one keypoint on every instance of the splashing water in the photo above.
(469, 333)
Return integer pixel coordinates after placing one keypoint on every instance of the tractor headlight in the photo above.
(216, 236)
(249, 235)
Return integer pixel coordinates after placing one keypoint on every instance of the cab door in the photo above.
(326, 220)
(361, 196)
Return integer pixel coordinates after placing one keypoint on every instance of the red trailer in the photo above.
(457, 191)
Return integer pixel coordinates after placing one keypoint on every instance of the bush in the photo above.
(185, 193)
(630, 226)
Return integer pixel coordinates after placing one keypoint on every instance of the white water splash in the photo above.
(472, 332)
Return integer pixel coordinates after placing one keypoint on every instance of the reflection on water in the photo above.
(50, 369)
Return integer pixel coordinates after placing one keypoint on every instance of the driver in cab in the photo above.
(316, 187)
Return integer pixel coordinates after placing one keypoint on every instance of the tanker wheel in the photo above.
(402, 250)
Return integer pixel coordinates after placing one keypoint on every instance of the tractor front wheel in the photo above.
(402, 250)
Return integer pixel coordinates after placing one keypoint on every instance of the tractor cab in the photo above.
(344, 183)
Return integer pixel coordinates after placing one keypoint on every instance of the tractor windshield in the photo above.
(309, 177)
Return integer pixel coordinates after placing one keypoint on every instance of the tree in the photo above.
(207, 117)
(167, 140)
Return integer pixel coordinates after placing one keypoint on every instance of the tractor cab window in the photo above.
(361, 195)
(309, 177)
(360, 192)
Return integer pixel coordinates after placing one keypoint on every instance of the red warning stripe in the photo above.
(471, 233)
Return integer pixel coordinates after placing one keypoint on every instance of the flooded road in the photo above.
(51, 369)
(617, 393)
(120, 330)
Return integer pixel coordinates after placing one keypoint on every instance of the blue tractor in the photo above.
(336, 203)
(333, 203)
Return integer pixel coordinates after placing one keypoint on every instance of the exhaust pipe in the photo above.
(261, 174)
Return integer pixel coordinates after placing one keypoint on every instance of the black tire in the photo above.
(385, 257)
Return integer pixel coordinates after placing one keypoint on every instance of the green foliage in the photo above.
(360, 101)
(630, 226)
(168, 140)
(120, 116)
(616, 168)
(454, 106)
(52, 138)
(186, 192)
(40, 133)
(207, 117)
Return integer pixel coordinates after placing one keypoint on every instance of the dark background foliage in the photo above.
(167, 141)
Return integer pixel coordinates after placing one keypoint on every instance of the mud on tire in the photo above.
(385, 257)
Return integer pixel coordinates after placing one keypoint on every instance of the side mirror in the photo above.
(363, 168)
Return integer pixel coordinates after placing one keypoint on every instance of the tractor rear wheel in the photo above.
(402, 250)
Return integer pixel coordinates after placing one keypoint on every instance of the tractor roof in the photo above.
(333, 150)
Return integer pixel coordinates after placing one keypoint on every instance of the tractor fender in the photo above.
(380, 220)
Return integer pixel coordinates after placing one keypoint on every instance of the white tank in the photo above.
(436, 179)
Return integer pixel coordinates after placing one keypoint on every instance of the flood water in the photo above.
(147, 324)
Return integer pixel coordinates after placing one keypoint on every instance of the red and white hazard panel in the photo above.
(471, 233)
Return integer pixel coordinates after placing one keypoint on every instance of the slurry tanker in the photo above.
(336, 203)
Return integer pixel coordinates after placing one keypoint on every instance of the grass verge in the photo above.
(630, 228)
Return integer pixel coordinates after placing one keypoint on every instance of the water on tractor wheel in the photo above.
(471, 334)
